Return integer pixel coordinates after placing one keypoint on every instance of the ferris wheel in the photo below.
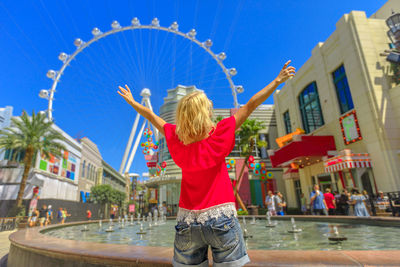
(81, 45)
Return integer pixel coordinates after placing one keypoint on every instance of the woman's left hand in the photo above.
(126, 94)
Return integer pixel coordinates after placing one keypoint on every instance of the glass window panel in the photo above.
(342, 90)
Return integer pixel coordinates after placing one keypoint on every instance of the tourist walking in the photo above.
(50, 214)
(60, 215)
(43, 215)
(330, 201)
(88, 215)
(318, 202)
(207, 213)
(280, 204)
(343, 203)
(358, 200)
(270, 203)
(65, 215)
(33, 218)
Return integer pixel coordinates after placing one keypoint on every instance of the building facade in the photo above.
(5, 121)
(344, 99)
(57, 177)
(112, 177)
(91, 168)
(68, 177)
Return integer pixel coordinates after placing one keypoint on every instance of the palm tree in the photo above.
(248, 134)
(30, 134)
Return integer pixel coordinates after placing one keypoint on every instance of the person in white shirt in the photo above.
(270, 203)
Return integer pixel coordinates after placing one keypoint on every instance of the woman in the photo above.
(207, 214)
(358, 200)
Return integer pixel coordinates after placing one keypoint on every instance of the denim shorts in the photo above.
(224, 235)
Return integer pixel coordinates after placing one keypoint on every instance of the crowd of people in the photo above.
(275, 203)
(45, 216)
(348, 202)
(354, 203)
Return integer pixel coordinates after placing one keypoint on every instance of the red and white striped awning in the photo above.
(347, 160)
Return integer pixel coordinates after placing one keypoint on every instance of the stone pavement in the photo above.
(4, 242)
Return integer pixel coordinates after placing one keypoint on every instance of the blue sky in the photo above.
(257, 36)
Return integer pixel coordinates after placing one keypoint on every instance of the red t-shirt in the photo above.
(89, 214)
(329, 198)
(205, 180)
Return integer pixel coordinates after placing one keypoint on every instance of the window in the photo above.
(262, 152)
(83, 168)
(286, 121)
(310, 108)
(342, 90)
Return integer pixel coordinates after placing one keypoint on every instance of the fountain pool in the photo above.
(314, 235)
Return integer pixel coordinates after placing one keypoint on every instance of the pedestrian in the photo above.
(43, 215)
(318, 202)
(50, 214)
(270, 203)
(65, 215)
(358, 200)
(207, 213)
(280, 204)
(60, 215)
(88, 214)
(33, 219)
(303, 202)
(343, 203)
(330, 201)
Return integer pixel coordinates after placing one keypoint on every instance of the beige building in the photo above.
(344, 99)
(91, 168)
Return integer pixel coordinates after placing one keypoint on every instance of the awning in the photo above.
(291, 174)
(303, 150)
(347, 160)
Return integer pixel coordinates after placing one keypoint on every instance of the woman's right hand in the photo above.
(285, 73)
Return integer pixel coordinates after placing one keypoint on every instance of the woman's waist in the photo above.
(202, 215)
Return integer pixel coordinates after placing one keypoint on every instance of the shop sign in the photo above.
(350, 128)
(132, 208)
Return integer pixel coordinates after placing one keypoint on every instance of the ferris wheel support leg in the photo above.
(129, 145)
(135, 146)
(148, 104)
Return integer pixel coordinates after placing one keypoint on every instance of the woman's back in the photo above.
(205, 179)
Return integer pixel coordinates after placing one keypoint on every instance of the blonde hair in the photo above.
(193, 117)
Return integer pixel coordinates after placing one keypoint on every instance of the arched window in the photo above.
(310, 108)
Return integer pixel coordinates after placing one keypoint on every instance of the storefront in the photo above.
(352, 170)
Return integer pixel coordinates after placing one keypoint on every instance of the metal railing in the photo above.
(8, 223)
(390, 204)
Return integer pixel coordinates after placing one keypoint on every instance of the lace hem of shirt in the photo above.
(201, 216)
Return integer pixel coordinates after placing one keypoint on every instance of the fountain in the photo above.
(245, 232)
(294, 227)
(85, 229)
(336, 236)
(132, 223)
(141, 230)
(100, 223)
(269, 223)
(122, 224)
(253, 221)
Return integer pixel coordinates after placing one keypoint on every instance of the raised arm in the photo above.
(244, 112)
(142, 110)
